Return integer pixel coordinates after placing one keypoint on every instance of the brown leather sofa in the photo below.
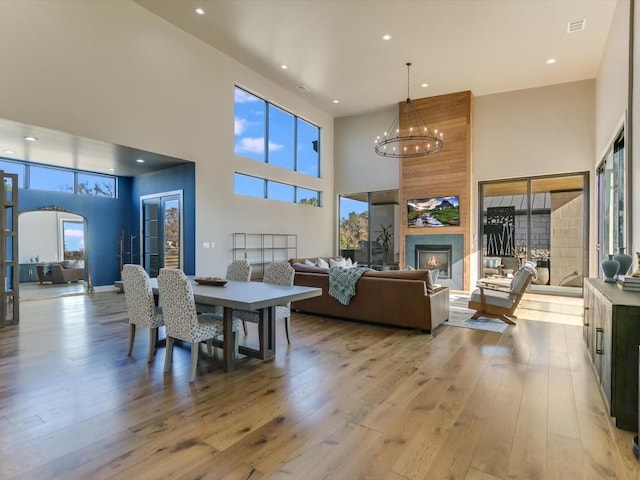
(60, 272)
(396, 298)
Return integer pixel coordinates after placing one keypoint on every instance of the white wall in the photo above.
(612, 98)
(114, 72)
(532, 132)
(357, 167)
(635, 135)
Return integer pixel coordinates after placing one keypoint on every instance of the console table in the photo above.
(611, 331)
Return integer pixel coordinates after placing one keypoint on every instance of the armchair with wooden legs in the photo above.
(501, 302)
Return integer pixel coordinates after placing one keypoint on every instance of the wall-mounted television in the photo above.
(433, 212)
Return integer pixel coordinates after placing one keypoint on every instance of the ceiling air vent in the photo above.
(302, 89)
(576, 25)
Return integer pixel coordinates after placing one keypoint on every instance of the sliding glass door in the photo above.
(612, 229)
(368, 228)
(542, 219)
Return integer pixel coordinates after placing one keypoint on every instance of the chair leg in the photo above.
(209, 347)
(153, 333)
(195, 350)
(132, 337)
(287, 327)
(236, 342)
(244, 326)
(168, 354)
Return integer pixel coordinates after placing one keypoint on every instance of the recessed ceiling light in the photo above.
(424, 85)
(386, 36)
(140, 160)
(551, 61)
(303, 89)
(29, 138)
(200, 11)
(284, 67)
(10, 152)
(336, 101)
(111, 169)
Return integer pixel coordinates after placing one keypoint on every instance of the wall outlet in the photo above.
(206, 245)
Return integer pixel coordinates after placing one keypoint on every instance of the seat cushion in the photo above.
(492, 297)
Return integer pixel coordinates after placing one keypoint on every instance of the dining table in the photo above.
(255, 296)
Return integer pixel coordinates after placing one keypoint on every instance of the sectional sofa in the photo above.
(397, 298)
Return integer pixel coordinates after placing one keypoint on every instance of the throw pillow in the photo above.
(349, 263)
(337, 262)
(321, 262)
(309, 262)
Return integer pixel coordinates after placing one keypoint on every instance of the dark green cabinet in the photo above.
(612, 336)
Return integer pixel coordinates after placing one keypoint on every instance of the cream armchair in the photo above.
(501, 302)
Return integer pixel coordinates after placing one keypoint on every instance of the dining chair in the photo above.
(277, 273)
(141, 306)
(182, 322)
(239, 270)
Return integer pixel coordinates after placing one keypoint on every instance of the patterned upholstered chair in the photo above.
(182, 322)
(239, 270)
(141, 306)
(278, 273)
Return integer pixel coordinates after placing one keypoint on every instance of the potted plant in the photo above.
(385, 235)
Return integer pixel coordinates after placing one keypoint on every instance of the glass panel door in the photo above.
(505, 230)
(542, 219)
(612, 232)
(161, 233)
(558, 230)
(354, 227)
(171, 208)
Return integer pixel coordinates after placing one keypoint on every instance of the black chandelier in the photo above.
(408, 136)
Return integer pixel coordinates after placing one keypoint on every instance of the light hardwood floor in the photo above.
(344, 401)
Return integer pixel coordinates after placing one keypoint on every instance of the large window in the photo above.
(12, 167)
(543, 219)
(612, 228)
(267, 133)
(264, 188)
(72, 239)
(41, 177)
(363, 219)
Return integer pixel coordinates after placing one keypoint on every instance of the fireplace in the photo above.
(435, 256)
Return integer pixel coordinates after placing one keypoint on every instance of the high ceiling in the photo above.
(334, 48)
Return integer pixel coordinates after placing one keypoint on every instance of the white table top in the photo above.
(248, 295)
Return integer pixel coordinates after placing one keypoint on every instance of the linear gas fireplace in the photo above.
(435, 256)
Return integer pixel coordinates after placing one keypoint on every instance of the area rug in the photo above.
(461, 317)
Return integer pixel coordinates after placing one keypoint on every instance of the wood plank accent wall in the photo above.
(445, 173)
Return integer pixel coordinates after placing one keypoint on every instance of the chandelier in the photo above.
(408, 136)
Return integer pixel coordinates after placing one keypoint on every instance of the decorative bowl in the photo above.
(214, 281)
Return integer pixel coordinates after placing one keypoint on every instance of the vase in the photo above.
(625, 261)
(610, 269)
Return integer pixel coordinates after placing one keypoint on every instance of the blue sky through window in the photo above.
(73, 232)
(348, 205)
(292, 143)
